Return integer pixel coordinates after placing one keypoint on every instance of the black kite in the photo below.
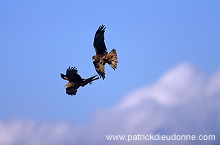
(75, 80)
(102, 56)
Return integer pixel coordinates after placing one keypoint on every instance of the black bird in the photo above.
(75, 80)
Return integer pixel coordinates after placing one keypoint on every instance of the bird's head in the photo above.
(93, 58)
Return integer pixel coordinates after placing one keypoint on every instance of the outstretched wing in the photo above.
(100, 69)
(71, 91)
(99, 43)
(71, 75)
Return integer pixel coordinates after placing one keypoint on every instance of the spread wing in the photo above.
(71, 75)
(71, 88)
(100, 69)
(99, 43)
(71, 91)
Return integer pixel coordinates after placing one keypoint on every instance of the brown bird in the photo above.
(102, 56)
(75, 80)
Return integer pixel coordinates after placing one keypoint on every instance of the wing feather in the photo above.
(72, 75)
(100, 69)
(71, 91)
(99, 43)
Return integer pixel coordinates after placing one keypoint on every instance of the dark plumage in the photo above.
(75, 80)
(102, 56)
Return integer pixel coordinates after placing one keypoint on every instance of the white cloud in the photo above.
(28, 132)
(183, 101)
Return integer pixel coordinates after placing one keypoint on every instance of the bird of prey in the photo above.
(102, 56)
(75, 80)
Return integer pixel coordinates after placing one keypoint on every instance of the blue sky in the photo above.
(40, 39)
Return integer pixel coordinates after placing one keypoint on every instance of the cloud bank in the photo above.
(183, 101)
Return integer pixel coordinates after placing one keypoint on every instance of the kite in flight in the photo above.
(102, 56)
(75, 80)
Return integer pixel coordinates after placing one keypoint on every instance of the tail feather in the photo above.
(89, 80)
(112, 59)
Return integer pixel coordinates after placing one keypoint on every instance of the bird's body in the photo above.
(75, 80)
(102, 56)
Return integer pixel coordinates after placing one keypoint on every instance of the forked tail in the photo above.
(112, 59)
(89, 80)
